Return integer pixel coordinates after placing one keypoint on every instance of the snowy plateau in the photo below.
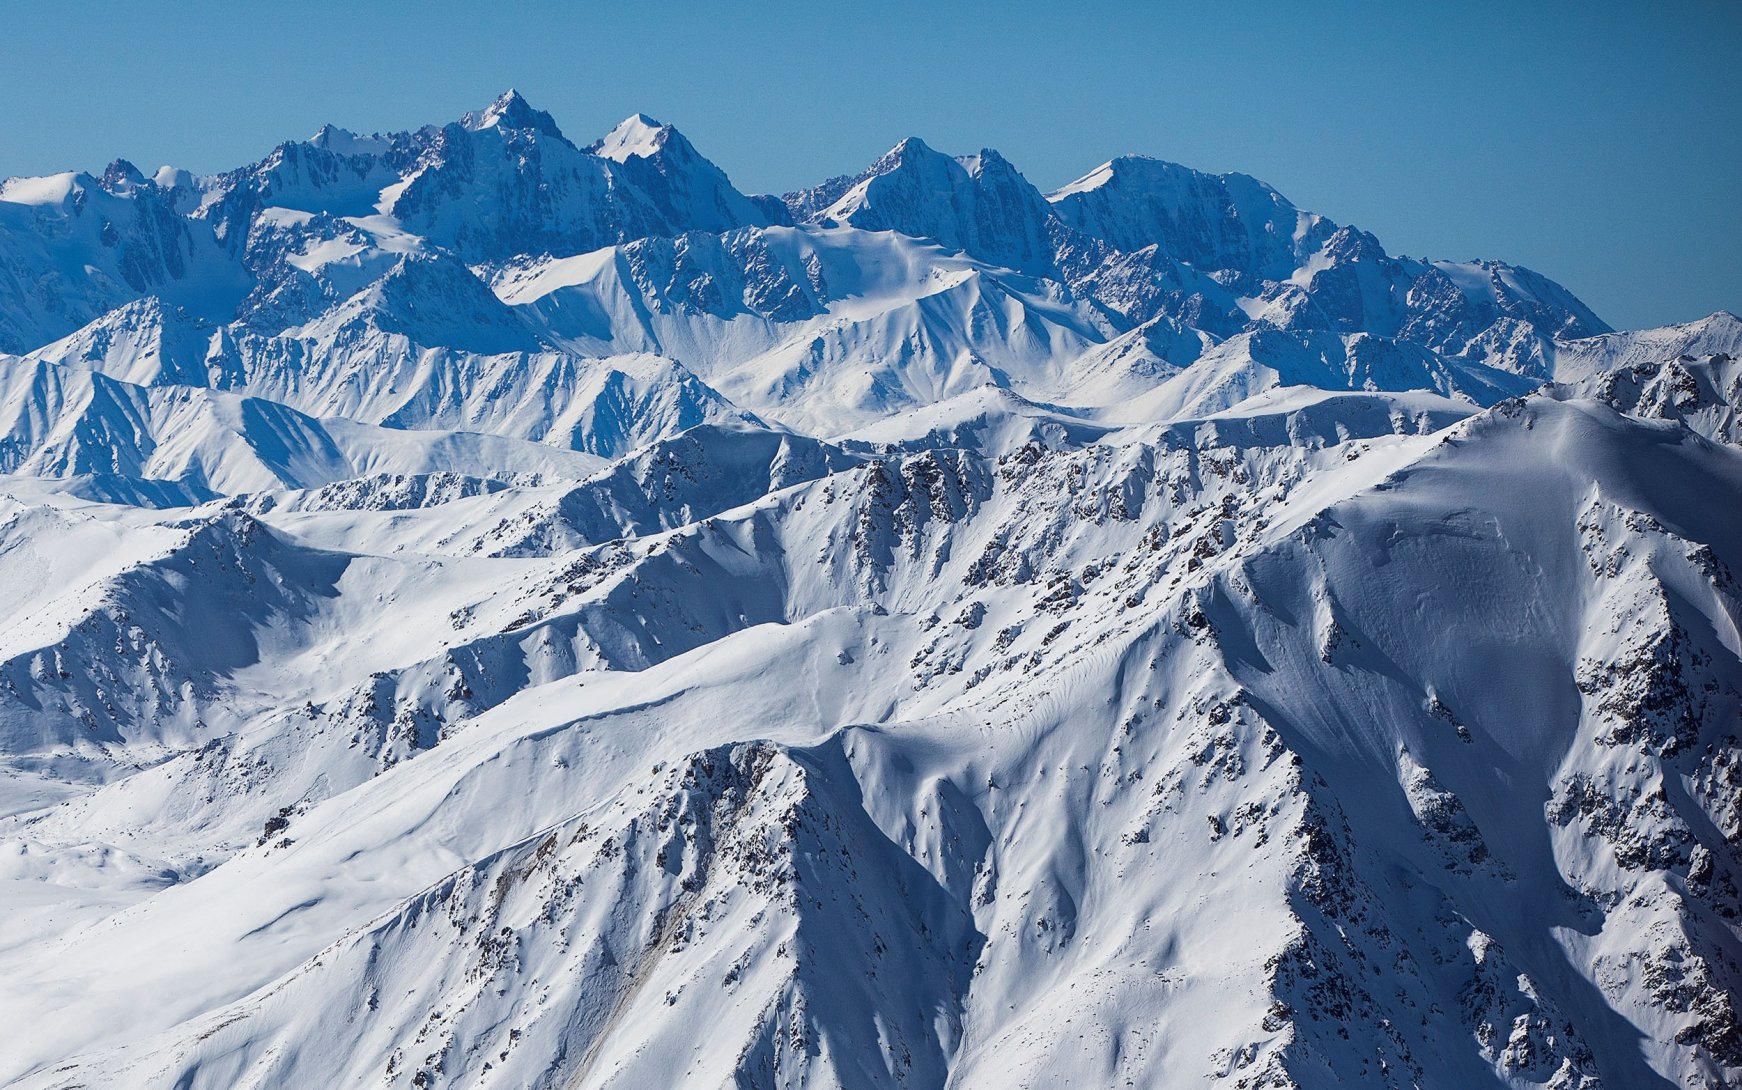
(485, 609)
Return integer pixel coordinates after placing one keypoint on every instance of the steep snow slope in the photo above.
(1167, 656)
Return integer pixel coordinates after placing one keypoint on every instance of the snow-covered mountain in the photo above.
(483, 609)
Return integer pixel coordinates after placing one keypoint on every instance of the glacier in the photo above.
(487, 610)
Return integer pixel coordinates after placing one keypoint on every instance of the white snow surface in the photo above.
(480, 611)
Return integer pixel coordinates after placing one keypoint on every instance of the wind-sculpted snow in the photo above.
(483, 610)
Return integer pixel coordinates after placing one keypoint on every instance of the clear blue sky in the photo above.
(1600, 143)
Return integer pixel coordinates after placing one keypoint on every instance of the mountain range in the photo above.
(483, 609)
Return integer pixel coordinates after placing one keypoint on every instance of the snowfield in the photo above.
(482, 610)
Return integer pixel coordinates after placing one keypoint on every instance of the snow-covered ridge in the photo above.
(476, 606)
(1139, 244)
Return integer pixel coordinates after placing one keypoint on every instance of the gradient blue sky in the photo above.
(1600, 143)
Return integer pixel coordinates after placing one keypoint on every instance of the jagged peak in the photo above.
(345, 142)
(908, 150)
(823, 201)
(987, 159)
(911, 147)
(511, 111)
(121, 176)
(635, 137)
